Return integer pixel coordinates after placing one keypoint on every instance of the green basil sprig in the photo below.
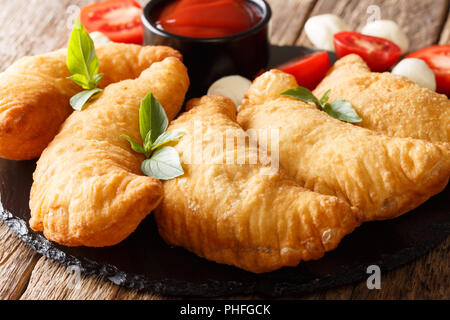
(339, 109)
(83, 65)
(163, 162)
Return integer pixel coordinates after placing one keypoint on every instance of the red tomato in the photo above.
(379, 54)
(308, 70)
(119, 20)
(438, 59)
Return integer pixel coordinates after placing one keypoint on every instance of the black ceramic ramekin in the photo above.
(209, 59)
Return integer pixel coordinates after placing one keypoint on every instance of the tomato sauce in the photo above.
(208, 18)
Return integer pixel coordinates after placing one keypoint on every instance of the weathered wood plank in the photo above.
(33, 27)
(288, 19)
(340, 293)
(16, 263)
(52, 281)
(422, 20)
(127, 294)
(426, 278)
(445, 34)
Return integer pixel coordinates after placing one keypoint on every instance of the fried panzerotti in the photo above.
(35, 93)
(388, 103)
(247, 215)
(88, 187)
(383, 176)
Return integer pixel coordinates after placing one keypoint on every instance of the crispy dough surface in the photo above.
(388, 103)
(88, 187)
(382, 176)
(242, 214)
(35, 93)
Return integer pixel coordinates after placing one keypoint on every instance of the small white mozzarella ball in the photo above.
(416, 70)
(321, 29)
(99, 38)
(233, 87)
(387, 29)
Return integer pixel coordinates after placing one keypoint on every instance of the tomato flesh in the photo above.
(438, 59)
(308, 70)
(119, 20)
(379, 54)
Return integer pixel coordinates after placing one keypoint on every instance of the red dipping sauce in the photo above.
(208, 18)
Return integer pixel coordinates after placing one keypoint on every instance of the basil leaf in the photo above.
(80, 80)
(145, 114)
(167, 137)
(148, 143)
(342, 110)
(134, 145)
(302, 94)
(152, 117)
(163, 165)
(97, 78)
(164, 162)
(78, 101)
(81, 58)
(325, 98)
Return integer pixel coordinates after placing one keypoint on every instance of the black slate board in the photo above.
(145, 262)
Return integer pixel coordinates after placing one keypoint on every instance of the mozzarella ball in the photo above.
(387, 29)
(233, 87)
(321, 29)
(418, 71)
(99, 38)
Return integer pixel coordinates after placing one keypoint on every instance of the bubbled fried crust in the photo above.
(382, 176)
(243, 215)
(35, 93)
(388, 103)
(88, 186)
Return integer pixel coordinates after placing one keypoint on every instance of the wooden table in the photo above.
(38, 26)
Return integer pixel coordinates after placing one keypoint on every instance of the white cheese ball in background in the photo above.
(233, 87)
(387, 29)
(321, 29)
(416, 70)
(99, 38)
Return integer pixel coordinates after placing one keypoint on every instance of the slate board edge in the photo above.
(209, 288)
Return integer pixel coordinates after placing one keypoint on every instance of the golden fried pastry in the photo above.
(382, 176)
(388, 103)
(88, 187)
(35, 93)
(248, 215)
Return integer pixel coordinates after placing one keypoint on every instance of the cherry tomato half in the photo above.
(438, 59)
(119, 20)
(379, 54)
(308, 70)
